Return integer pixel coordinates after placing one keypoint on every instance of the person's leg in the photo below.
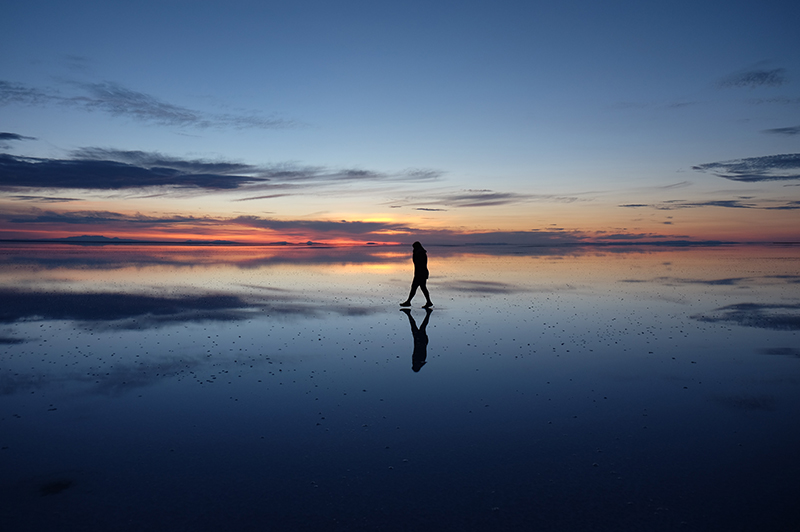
(424, 287)
(407, 302)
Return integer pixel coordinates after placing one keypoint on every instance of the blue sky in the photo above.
(592, 118)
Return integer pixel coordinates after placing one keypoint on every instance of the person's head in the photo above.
(417, 246)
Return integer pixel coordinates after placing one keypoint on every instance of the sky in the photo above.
(389, 122)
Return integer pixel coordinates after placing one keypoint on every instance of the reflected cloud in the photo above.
(781, 351)
(125, 377)
(115, 381)
(725, 281)
(136, 311)
(481, 287)
(776, 317)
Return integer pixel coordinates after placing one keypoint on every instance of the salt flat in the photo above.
(252, 388)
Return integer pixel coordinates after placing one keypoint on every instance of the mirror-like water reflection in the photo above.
(146, 387)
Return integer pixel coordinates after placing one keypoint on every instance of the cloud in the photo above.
(755, 78)
(106, 218)
(6, 138)
(777, 100)
(288, 173)
(789, 131)
(784, 317)
(754, 169)
(111, 169)
(481, 198)
(88, 171)
(117, 100)
(340, 227)
(14, 136)
(671, 205)
(11, 93)
(475, 198)
(43, 199)
(265, 196)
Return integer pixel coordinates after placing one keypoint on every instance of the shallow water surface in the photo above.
(255, 388)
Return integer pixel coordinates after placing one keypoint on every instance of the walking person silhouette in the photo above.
(420, 259)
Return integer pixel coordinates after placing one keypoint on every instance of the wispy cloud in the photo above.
(117, 100)
(630, 105)
(790, 131)
(339, 227)
(757, 77)
(780, 100)
(7, 138)
(105, 218)
(671, 205)
(14, 136)
(753, 169)
(440, 200)
(43, 199)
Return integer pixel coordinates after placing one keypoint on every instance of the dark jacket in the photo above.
(420, 258)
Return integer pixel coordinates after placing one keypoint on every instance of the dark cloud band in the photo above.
(788, 131)
(753, 169)
(87, 173)
(110, 169)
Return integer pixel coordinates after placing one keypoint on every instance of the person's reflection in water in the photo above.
(420, 339)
